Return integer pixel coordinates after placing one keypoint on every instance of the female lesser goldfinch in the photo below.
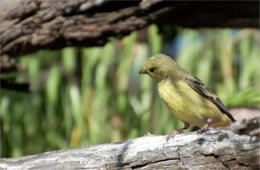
(185, 95)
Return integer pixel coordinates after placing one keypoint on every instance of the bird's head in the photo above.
(159, 67)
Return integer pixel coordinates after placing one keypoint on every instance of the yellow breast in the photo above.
(189, 106)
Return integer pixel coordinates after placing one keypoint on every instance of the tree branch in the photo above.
(234, 148)
(31, 25)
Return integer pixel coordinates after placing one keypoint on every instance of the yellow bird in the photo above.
(186, 96)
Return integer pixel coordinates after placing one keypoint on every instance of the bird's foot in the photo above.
(173, 134)
(205, 127)
(178, 131)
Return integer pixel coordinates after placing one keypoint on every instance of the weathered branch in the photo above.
(235, 148)
(31, 25)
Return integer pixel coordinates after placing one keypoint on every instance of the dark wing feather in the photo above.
(199, 87)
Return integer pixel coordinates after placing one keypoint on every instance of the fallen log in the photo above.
(236, 147)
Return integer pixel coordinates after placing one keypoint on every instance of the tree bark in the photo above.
(237, 147)
(31, 25)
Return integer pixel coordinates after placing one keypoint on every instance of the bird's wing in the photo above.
(199, 87)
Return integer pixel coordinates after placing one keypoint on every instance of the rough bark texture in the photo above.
(30, 25)
(235, 148)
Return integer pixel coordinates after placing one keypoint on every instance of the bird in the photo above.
(186, 96)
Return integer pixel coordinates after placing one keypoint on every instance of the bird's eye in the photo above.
(152, 69)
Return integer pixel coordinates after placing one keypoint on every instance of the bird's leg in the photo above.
(178, 131)
(205, 127)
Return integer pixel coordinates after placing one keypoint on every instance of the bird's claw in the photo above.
(173, 134)
(205, 127)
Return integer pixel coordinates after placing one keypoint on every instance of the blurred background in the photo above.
(85, 96)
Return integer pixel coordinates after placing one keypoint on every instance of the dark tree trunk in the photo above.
(31, 25)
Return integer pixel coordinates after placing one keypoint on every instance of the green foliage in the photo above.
(95, 95)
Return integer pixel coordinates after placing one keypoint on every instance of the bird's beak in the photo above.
(143, 71)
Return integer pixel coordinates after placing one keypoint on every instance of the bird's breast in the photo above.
(174, 95)
(188, 105)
